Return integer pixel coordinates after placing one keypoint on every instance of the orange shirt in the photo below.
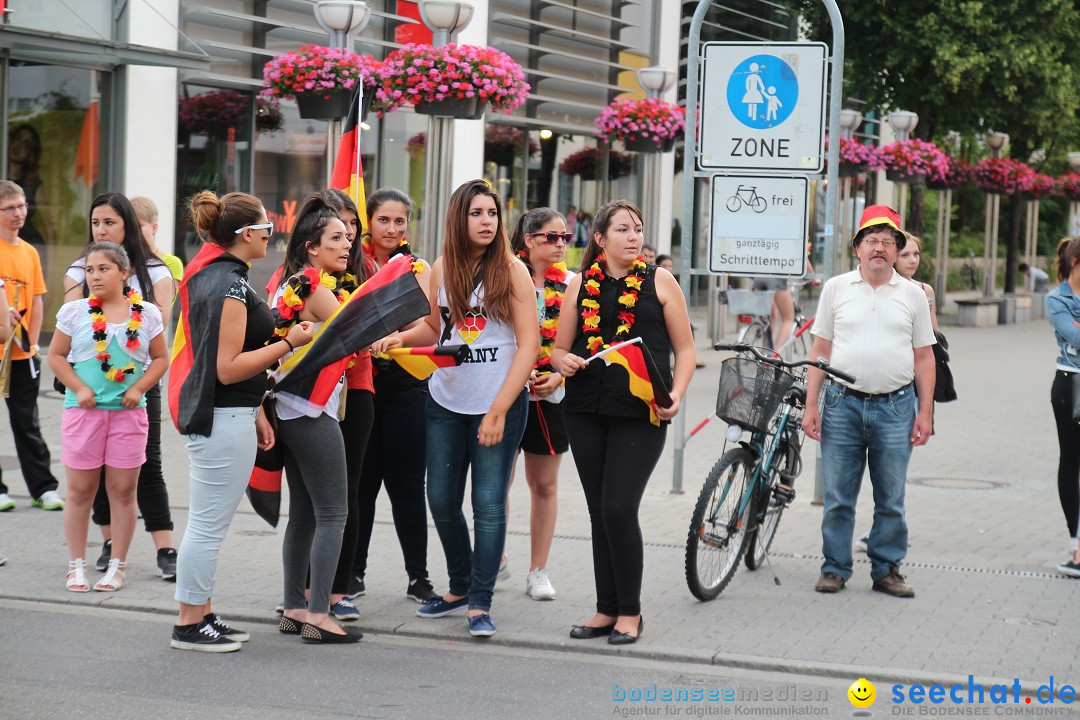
(20, 266)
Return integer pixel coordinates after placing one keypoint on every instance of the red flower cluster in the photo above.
(422, 73)
(915, 157)
(1037, 186)
(202, 114)
(957, 175)
(1069, 185)
(1003, 175)
(318, 70)
(584, 162)
(854, 152)
(650, 119)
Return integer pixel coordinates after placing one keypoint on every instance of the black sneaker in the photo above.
(356, 587)
(1069, 568)
(420, 590)
(166, 564)
(202, 637)
(225, 629)
(106, 556)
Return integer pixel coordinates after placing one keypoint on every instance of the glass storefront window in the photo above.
(213, 151)
(401, 158)
(56, 153)
(86, 18)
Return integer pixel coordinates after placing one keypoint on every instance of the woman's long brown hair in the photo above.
(600, 226)
(495, 263)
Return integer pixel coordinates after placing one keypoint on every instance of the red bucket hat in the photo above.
(880, 215)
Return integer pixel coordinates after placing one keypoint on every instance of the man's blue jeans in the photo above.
(853, 431)
(452, 446)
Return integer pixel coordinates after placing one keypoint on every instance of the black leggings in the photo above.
(1068, 432)
(355, 431)
(615, 458)
(151, 493)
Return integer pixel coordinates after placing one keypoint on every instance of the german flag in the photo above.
(421, 362)
(348, 172)
(645, 381)
(390, 300)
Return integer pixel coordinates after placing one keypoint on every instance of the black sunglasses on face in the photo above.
(551, 238)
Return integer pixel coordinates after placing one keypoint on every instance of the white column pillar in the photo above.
(150, 116)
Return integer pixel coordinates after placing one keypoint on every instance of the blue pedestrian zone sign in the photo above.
(762, 92)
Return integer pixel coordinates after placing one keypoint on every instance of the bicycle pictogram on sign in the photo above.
(747, 196)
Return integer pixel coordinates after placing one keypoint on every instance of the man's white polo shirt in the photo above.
(874, 330)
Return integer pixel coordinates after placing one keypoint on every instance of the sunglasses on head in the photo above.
(551, 238)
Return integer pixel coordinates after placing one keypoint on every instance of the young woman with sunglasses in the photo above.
(482, 297)
(615, 437)
(540, 240)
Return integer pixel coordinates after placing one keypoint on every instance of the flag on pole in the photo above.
(421, 362)
(645, 381)
(348, 172)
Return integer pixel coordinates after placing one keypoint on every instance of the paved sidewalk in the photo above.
(986, 534)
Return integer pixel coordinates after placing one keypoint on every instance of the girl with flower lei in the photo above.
(540, 240)
(616, 446)
(311, 439)
(108, 350)
(398, 419)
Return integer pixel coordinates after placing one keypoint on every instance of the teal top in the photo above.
(109, 394)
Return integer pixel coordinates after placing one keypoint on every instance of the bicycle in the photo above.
(747, 195)
(754, 308)
(745, 494)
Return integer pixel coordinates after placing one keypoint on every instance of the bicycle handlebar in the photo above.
(743, 347)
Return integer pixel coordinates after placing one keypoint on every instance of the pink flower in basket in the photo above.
(1002, 175)
(853, 152)
(585, 162)
(421, 73)
(957, 175)
(650, 119)
(915, 157)
(1037, 186)
(319, 70)
(1069, 185)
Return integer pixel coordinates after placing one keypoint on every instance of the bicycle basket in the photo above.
(749, 302)
(750, 392)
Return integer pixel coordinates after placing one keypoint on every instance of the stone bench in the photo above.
(983, 312)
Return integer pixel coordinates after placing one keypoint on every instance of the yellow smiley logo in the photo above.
(862, 693)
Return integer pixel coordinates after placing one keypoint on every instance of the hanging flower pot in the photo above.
(642, 145)
(323, 80)
(850, 169)
(1001, 176)
(909, 161)
(584, 163)
(899, 176)
(324, 106)
(650, 125)
(469, 108)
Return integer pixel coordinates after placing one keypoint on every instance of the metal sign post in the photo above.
(767, 99)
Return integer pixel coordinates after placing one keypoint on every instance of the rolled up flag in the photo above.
(421, 362)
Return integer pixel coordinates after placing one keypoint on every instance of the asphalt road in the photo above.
(62, 661)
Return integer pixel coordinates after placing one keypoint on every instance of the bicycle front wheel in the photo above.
(718, 530)
(756, 334)
(769, 509)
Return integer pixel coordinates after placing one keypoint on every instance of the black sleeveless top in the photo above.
(605, 389)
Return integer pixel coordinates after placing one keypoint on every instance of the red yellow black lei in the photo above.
(298, 289)
(590, 306)
(101, 339)
(368, 247)
(554, 290)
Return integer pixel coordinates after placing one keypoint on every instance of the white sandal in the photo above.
(76, 576)
(114, 577)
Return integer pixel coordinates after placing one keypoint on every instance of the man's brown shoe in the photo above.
(895, 585)
(829, 582)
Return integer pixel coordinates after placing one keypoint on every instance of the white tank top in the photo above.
(470, 388)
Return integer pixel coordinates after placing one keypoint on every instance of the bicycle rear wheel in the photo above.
(718, 531)
(757, 334)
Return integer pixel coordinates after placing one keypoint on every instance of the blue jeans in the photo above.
(452, 446)
(853, 431)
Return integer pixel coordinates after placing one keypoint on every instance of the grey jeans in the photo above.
(318, 508)
(221, 466)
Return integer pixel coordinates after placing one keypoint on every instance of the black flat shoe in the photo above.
(288, 626)
(313, 634)
(584, 632)
(621, 638)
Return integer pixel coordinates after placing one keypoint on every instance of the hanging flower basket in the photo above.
(1037, 186)
(469, 108)
(503, 143)
(323, 80)
(958, 175)
(909, 161)
(213, 113)
(585, 162)
(419, 73)
(649, 125)
(856, 157)
(1069, 185)
(1001, 176)
(847, 170)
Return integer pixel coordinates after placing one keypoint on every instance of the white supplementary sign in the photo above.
(758, 225)
(762, 107)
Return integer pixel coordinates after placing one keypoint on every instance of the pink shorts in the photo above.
(93, 437)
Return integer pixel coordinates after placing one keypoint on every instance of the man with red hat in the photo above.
(875, 325)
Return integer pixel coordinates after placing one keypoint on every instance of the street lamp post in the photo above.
(444, 18)
(850, 121)
(339, 18)
(994, 142)
(902, 122)
(655, 81)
